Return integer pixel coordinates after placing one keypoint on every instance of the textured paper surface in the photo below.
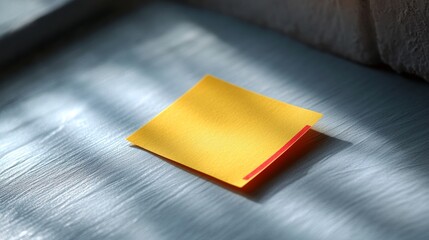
(224, 131)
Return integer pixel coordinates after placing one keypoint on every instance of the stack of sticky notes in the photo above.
(225, 131)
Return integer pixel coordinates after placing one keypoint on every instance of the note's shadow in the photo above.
(310, 149)
(294, 164)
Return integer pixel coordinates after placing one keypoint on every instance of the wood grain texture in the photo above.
(67, 172)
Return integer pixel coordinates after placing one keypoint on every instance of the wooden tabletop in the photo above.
(67, 172)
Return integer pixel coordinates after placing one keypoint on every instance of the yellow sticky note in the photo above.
(224, 131)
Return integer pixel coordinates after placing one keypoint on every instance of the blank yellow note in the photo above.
(224, 131)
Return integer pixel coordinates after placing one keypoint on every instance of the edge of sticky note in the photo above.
(254, 173)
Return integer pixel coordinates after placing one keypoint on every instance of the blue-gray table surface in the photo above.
(67, 172)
